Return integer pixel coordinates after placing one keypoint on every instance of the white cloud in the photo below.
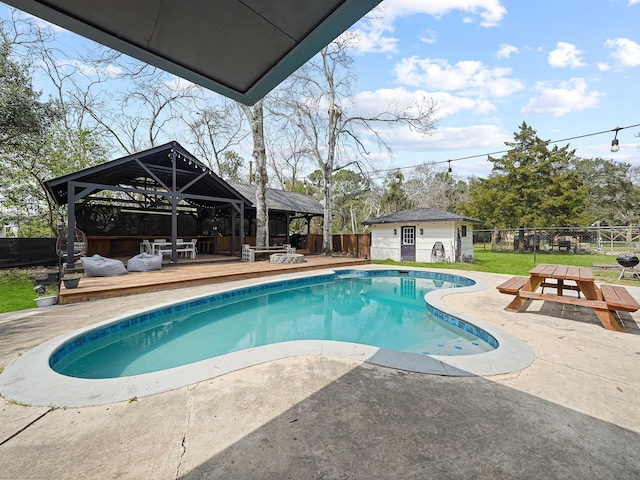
(491, 12)
(448, 139)
(626, 51)
(473, 136)
(633, 2)
(469, 77)
(372, 103)
(375, 31)
(571, 96)
(91, 70)
(566, 55)
(177, 84)
(604, 67)
(371, 36)
(429, 36)
(506, 51)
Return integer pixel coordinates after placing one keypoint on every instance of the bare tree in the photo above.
(216, 129)
(255, 115)
(317, 103)
(288, 155)
(432, 186)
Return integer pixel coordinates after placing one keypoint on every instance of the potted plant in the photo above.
(71, 280)
(44, 300)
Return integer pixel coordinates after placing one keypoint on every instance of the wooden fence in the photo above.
(358, 246)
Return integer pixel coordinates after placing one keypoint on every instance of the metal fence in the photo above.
(27, 252)
(605, 240)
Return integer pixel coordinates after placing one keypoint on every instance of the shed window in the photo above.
(464, 231)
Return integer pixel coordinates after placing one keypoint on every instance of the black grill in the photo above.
(628, 261)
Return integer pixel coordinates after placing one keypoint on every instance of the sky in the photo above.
(565, 67)
(568, 68)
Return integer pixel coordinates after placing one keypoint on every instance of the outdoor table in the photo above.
(165, 246)
(585, 281)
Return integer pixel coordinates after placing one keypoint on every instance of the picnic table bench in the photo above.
(604, 300)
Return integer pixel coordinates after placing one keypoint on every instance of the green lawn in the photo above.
(16, 290)
(512, 263)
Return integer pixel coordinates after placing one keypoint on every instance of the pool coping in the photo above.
(30, 380)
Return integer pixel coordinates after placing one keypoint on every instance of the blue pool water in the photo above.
(385, 309)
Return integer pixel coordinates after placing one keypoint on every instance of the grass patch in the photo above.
(16, 290)
(513, 263)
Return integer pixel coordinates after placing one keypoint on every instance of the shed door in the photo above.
(408, 244)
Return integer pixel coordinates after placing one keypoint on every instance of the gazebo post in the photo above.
(241, 224)
(233, 228)
(71, 223)
(174, 206)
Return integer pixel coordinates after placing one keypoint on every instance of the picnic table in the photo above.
(182, 246)
(603, 300)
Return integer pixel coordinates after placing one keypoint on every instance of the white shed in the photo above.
(422, 235)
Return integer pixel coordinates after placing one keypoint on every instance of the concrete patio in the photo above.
(572, 414)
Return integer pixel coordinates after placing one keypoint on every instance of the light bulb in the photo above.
(614, 145)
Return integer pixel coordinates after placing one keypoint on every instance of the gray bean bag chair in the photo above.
(145, 262)
(98, 266)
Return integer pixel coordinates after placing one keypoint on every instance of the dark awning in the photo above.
(282, 201)
(239, 48)
(152, 171)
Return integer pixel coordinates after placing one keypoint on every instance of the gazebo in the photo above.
(164, 191)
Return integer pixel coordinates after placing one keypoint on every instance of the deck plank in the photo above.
(194, 274)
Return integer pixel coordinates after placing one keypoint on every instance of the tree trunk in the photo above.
(256, 120)
(327, 224)
(521, 247)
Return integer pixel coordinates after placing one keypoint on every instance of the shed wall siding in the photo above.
(467, 242)
(386, 245)
(432, 233)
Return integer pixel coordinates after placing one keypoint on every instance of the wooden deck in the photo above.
(188, 274)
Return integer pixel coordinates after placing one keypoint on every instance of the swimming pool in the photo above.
(29, 379)
(384, 309)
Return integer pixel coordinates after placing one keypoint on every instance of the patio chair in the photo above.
(98, 266)
(79, 243)
(146, 247)
(145, 262)
(437, 253)
(62, 248)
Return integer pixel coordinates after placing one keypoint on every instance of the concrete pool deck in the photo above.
(573, 413)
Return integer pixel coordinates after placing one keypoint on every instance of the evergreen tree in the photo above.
(530, 186)
(614, 197)
(395, 198)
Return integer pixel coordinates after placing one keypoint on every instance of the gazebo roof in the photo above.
(239, 48)
(282, 200)
(152, 171)
(420, 215)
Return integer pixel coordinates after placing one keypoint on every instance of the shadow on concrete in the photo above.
(377, 423)
(580, 314)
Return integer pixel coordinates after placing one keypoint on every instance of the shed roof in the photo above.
(420, 215)
(282, 200)
(239, 48)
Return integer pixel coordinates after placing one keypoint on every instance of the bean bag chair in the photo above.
(98, 266)
(145, 262)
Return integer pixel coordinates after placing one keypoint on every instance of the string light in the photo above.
(614, 144)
